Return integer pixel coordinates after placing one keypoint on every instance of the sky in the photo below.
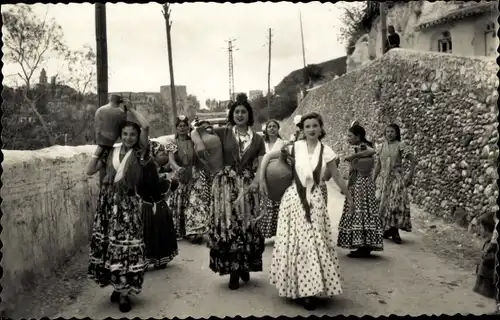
(137, 45)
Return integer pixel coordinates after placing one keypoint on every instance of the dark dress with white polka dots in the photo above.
(304, 261)
(361, 227)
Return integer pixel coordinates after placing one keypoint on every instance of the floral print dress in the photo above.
(117, 250)
(178, 201)
(394, 206)
(235, 241)
(198, 208)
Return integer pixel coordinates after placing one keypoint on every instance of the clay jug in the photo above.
(364, 166)
(108, 122)
(212, 144)
(279, 177)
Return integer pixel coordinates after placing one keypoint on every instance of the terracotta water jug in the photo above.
(108, 122)
(279, 177)
(210, 141)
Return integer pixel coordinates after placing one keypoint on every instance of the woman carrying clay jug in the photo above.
(304, 261)
(273, 142)
(235, 241)
(182, 161)
(198, 208)
(117, 243)
(394, 206)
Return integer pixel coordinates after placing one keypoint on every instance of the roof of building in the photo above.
(458, 14)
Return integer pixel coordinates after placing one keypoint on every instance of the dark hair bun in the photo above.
(241, 98)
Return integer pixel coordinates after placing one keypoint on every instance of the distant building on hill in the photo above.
(254, 94)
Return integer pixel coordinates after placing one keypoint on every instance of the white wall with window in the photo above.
(485, 38)
(474, 36)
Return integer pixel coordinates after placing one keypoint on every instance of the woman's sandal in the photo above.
(115, 297)
(360, 253)
(125, 304)
(234, 281)
(397, 239)
(245, 276)
(308, 303)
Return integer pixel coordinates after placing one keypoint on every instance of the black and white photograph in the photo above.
(205, 159)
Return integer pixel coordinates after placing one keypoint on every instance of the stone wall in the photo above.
(48, 206)
(447, 108)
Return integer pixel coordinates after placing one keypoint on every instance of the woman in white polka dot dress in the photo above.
(305, 264)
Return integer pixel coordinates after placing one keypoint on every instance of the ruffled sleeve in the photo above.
(170, 147)
(328, 154)
(156, 148)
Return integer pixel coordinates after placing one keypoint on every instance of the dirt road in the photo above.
(403, 279)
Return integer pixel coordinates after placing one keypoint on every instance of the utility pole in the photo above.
(230, 50)
(101, 53)
(269, 74)
(383, 25)
(168, 25)
(302, 36)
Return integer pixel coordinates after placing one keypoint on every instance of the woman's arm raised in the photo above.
(95, 164)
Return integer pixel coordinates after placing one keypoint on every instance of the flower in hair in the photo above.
(297, 119)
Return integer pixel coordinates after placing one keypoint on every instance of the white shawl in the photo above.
(305, 165)
(120, 166)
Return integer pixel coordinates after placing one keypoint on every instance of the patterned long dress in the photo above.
(304, 260)
(198, 208)
(361, 227)
(269, 222)
(235, 241)
(178, 201)
(486, 271)
(117, 243)
(394, 206)
(159, 230)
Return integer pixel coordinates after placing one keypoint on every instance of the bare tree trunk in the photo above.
(44, 124)
(269, 74)
(383, 25)
(168, 25)
(101, 53)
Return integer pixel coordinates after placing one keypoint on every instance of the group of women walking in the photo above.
(142, 211)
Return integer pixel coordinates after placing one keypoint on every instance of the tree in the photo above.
(354, 23)
(193, 101)
(81, 67)
(259, 105)
(28, 41)
(312, 73)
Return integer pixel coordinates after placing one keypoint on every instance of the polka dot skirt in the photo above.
(361, 227)
(304, 262)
